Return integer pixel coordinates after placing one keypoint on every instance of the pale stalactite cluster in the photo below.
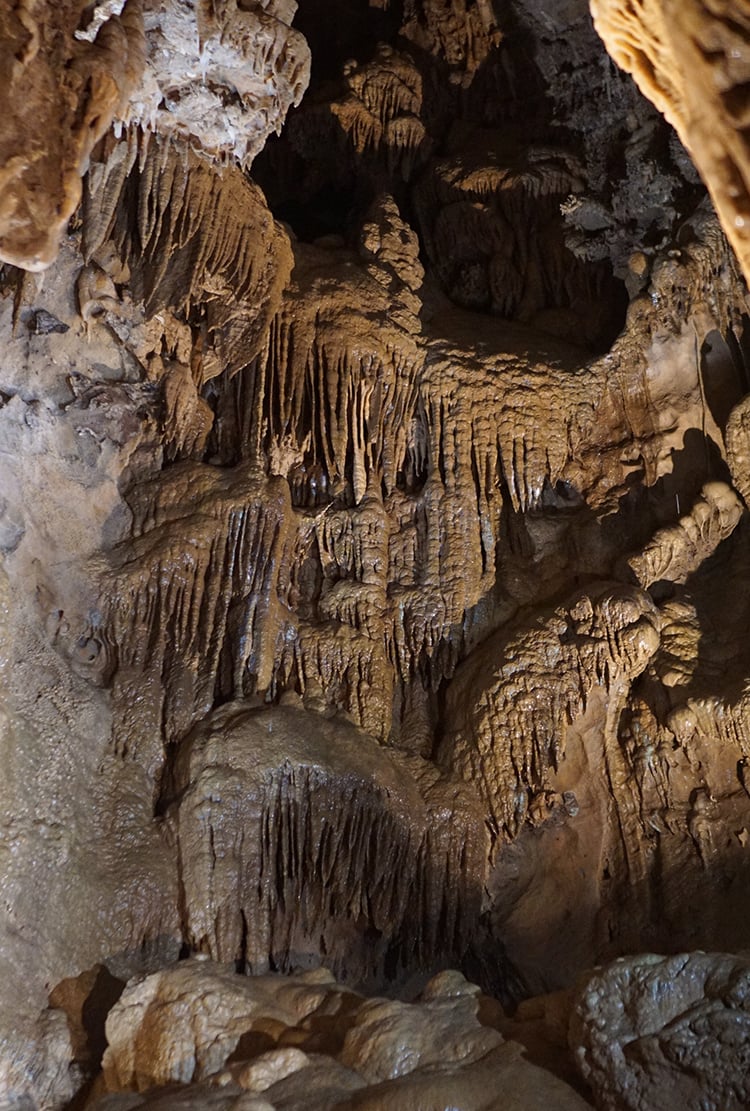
(224, 247)
(221, 75)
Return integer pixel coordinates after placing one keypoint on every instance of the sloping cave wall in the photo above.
(371, 503)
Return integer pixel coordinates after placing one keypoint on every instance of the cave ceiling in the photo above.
(374, 463)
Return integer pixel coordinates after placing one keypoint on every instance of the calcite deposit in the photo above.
(374, 478)
(692, 61)
(305, 1041)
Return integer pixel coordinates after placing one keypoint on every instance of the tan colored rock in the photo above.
(462, 34)
(692, 60)
(508, 709)
(389, 1039)
(61, 92)
(675, 552)
(183, 1024)
(501, 1081)
(226, 250)
(279, 523)
(270, 1068)
(218, 76)
(379, 114)
(300, 837)
(738, 447)
(195, 1023)
(490, 218)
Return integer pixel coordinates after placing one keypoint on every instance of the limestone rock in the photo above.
(462, 34)
(300, 837)
(529, 689)
(225, 248)
(221, 75)
(373, 586)
(61, 93)
(184, 1023)
(218, 76)
(211, 1030)
(392, 1039)
(654, 1031)
(675, 552)
(691, 60)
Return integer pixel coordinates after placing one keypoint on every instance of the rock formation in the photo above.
(691, 61)
(306, 1041)
(676, 1027)
(373, 533)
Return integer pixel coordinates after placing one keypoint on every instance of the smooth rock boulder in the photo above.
(198, 1035)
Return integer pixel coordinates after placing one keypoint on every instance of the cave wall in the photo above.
(372, 503)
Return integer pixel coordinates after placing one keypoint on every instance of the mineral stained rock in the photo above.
(297, 833)
(219, 75)
(306, 1041)
(60, 93)
(541, 680)
(373, 531)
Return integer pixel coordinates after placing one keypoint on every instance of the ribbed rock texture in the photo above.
(300, 838)
(373, 536)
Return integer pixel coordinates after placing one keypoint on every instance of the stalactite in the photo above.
(190, 232)
(290, 825)
(676, 551)
(194, 598)
(510, 705)
(378, 117)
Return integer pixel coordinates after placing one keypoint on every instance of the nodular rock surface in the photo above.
(374, 476)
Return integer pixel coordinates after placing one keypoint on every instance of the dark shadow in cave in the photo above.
(724, 374)
(337, 30)
(324, 187)
(718, 592)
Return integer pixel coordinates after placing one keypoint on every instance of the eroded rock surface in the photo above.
(276, 1042)
(301, 838)
(61, 92)
(692, 61)
(666, 1031)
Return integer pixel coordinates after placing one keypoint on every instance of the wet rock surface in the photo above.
(652, 1031)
